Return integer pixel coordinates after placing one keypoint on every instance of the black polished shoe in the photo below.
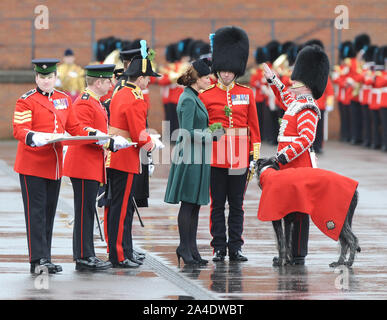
(57, 267)
(138, 255)
(299, 261)
(92, 264)
(134, 259)
(126, 264)
(237, 256)
(218, 256)
(41, 266)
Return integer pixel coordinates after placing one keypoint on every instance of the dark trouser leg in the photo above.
(383, 118)
(40, 197)
(184, 225)
(345, 122)
(53, 188)
(376, 135)
(85, 194)
(218, 192)
(193, 231)
(366, 116)
(120, 215)
(235, 193)
(300, 234)
(356, 122)
(318, 142)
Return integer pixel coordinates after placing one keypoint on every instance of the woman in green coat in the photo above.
(189, 176)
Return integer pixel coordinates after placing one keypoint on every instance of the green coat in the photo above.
(189, 176)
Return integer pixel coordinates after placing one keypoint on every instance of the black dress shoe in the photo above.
(92, 264)
(42, 265)
(237, 256)
(138, 255)
(134, 259)
(218, 256)
(57, 267)
(126, 264)
(299, 261)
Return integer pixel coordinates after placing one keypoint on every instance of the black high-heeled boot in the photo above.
(186, 255)
(193, 234)
(184, 221)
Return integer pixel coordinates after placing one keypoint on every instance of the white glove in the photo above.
(329, 108)
(120, 143)
(252, 165)
(101, 134)
(151, 169)
(39, 139)
(156, 141)
(151, 166)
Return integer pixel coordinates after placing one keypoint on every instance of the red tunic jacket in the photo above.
(298, 126)
(257, 80)
(243, 137)
(322, 194)
(128, 112)
(87, 161)
(37, 112)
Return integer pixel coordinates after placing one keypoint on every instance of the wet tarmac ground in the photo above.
(160, 278)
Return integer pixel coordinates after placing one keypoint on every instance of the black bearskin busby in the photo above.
(312, 69)
(316, 42)
(368, 55)
(230, 50)
(346, 50)
(260, 55)
(361, 41)
(292, 53)
(274, 50)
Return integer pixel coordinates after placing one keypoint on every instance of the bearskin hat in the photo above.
(230, 50)
(312, 69)
(292, 53)
(368, 55)
(361, 41)
(346, 50)
(274, 50)
(260, 55)
(314, 41)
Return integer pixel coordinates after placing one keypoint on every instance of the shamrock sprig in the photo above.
(227, 110)
(215, 126)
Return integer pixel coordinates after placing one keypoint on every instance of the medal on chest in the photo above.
(60, 104)
(240, 99)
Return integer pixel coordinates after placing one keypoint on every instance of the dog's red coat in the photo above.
(322, 194)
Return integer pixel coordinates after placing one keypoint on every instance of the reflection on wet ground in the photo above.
(161, 278)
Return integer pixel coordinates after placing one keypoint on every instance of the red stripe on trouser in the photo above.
(82, 204)
(213, 249)
(28, 220)
(124, 207)
(105, 226)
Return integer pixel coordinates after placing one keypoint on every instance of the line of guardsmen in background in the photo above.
(358, 84)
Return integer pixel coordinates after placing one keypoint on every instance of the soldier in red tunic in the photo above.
(128, 113)
(232, 105)
(39, 113)
(85, 165)
(298, 127)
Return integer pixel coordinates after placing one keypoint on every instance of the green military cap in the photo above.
(45, 66)
(100, 70)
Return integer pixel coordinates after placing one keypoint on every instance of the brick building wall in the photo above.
(76, 24)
